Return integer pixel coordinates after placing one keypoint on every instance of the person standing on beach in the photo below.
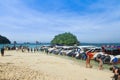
(2, 51)
(89, 56)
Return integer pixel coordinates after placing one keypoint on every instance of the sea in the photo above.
(33, 45)
(30, 45)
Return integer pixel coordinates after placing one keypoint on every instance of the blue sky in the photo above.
(90, 20)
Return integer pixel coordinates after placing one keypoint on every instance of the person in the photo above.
(116, 71)
(2, 51)
(89, 56)
(99, 59)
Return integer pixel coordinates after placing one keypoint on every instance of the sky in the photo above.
(91, 21)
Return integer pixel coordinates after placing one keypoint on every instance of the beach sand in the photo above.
(16, 65)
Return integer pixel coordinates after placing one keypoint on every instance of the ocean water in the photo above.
(33, 45)
(101, 44)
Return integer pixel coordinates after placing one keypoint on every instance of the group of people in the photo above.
(114, 69)
(98, 59)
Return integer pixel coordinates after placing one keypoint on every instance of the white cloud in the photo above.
(17, 21)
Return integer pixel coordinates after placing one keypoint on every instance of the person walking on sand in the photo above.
(89, 56)
(2, 51)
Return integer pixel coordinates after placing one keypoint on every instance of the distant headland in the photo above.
(4, 40)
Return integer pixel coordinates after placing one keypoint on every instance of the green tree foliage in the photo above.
(4, 40)
(65, 39)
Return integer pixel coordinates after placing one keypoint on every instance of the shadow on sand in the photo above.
(7, 55)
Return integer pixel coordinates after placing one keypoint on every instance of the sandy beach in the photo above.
(16, 65)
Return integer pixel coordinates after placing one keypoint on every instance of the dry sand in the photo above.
(16, 65)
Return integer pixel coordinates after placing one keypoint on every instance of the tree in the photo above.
(65, 39)
(4, 40)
